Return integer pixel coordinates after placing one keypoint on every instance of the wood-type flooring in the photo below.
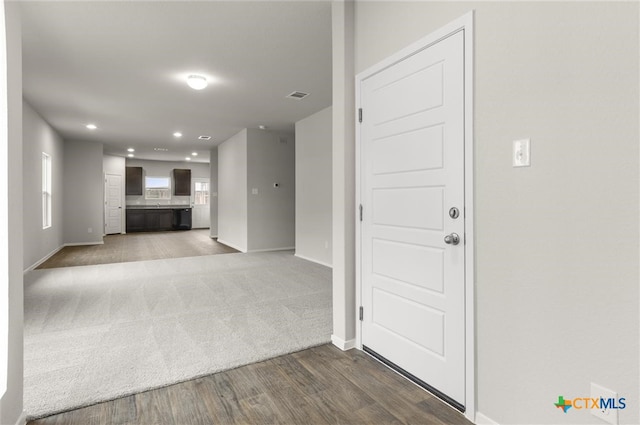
(138, 247)
(320, 385)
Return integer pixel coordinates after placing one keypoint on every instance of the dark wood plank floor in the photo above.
(321, 385)
(139, 247)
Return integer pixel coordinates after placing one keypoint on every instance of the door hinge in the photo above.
(361, 313)
(359, 114)
(360, 212)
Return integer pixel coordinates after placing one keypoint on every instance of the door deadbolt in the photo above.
(454, 213)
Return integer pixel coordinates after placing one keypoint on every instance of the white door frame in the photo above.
(193, 197)
(464, 23)
(106, 208)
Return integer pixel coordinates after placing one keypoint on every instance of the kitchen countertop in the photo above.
(157, 207)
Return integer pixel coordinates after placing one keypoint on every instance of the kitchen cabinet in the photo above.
(133, 181)
(181, 182)
(149, 220)
(135, 221)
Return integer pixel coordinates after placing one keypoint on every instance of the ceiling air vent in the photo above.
(297, 95)
(204, 137)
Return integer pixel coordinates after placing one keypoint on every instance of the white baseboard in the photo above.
(22, 419)
(55, 251)
(43, 259)
(322, 263)
(83, 243)
(484, 420)
(342, 344)
(286, 248)
(213, 236)
(230, 245)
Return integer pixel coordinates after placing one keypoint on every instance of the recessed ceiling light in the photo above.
(131, 150)
(130, 155)
(197, 82)
(91, 126)
(177, 134)
(188, 159)
(204, 137)
(194, 153)
(262, 127)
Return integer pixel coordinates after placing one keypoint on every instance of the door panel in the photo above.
(397, 315)
(412, 172)
(425, 213)
(416, 150)
(200, 204)
(113, 204)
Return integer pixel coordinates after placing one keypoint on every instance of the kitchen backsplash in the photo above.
(175, 200)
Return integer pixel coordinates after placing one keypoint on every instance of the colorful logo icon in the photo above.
(563, 404)
(600, 403)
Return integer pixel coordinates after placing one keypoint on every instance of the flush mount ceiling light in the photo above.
(194, 153)
(177, 134)
(188, 159)
(197, 82)
(91, 126)
(130, 155)
(131, 150)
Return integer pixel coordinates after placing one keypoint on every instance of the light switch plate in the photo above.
(254, 191)
(522, 153)
(608, 415)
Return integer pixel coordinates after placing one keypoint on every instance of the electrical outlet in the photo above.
(608, 415)
(522, 153)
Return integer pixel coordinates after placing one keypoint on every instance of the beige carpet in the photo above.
(139, 247)
(95, 333)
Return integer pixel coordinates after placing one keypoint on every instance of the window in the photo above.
(201, 193)
(157, 188)
(46, 191)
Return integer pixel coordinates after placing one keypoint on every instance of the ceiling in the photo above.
(122, 65)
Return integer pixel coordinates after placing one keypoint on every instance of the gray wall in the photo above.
(232, 191)
(557, 243)
(271, 212)
(313, 187)
(40, 137)
(83, 193)
(114, 165)
(256, 159)
(11, 402)
(213, 187)
(165, 169)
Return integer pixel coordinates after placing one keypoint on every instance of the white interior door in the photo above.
(112, 204)
(412, 174)
(200, 211)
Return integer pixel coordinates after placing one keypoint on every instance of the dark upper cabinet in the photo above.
(182, 182)
(134, 181)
